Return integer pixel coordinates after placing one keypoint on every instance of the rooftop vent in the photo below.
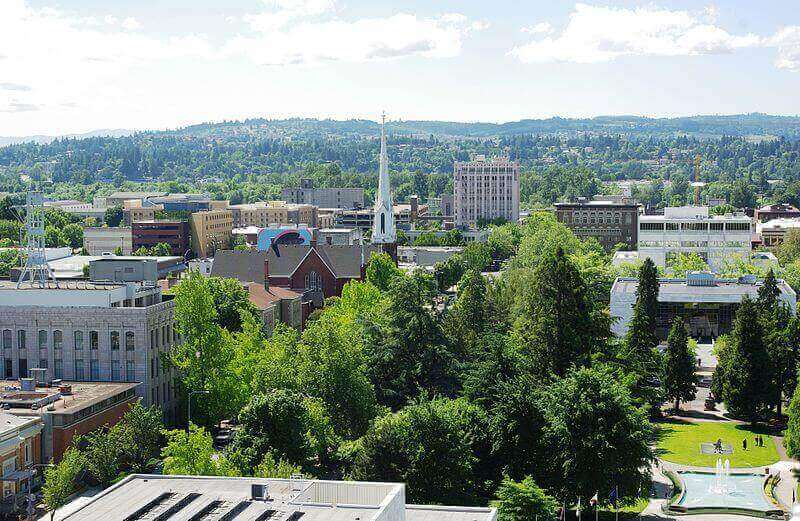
(259, 491)
(700, 278)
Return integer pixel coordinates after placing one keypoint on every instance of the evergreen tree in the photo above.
(558, 327)
(748, 383)
(641, 340)
(769, 293)
(678, 376)
(791, 439)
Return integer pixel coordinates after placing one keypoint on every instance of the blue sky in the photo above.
(77, 65)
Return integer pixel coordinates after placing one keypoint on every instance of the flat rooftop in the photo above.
(677, 290)
(82, 285)
(36, 402)
(182, 498)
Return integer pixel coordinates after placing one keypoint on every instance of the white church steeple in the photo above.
(383, 230)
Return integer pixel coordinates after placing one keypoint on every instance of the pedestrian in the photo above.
(744, 444)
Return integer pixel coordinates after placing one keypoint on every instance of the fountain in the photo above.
(722, 484)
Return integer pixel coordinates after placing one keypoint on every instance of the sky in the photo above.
(73, 66)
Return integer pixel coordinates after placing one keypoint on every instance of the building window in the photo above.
(79, 376)
(94, 339)
(313, 281)
(58, 368)
(114, 336)
(6, 339)
(130, 371)
(129, 341)
(94, 370)
(43, 363)
(115, 371)
(78, 335)
(42, 339)
(58, 339)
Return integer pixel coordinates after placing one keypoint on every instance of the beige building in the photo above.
(485, 189)
(211, 230)
(262, 214)
(100, 240)
(133, 211)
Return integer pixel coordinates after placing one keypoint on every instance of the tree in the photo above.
(789, 250)
(412, 355)
(74, 235)
(557, 327)
(203, 358)
(595, 437)
(193, 454)
(641, 340)
(275, 469)
(769, 293)
(61, 480)
(681, 264)
(747, 388)
(282, 423)
(678, 376)
(466, 322)
(523, 501)
(141, 437)
(113, 216)
(162, 249)
(424, 445)
(382, 271)
(231, 300)
(791, 439)
(103, 453)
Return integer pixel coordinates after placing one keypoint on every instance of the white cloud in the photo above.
(64, 59)
(130, 24)
(540, 28)
(787, 41)
(308, 32)
(599, 34)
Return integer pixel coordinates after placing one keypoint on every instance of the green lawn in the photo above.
(679, 442)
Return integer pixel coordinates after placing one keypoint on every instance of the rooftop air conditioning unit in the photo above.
(259, 491)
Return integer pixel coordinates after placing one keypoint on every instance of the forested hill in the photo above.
(700, 126)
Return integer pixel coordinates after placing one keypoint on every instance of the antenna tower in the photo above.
(36, 271)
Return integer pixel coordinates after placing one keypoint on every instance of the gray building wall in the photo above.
(153, 329)
(325, 197)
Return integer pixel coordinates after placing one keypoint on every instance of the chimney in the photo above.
(266, 274)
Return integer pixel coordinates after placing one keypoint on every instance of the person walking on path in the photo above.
(744, 444)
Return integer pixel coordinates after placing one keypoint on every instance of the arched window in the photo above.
(313, 281)
(7, 339)
(42, 339)
(94, 340)
(58, 339)
(115, 340)
(78, 340)
(383, 222)
(129, 343)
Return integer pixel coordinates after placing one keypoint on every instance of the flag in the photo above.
(613, 496)
(593, 501)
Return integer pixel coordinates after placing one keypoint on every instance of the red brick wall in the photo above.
(313, 262)
(62, 436)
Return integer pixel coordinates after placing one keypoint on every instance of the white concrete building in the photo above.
(707, 304)
(485, 189)
(690, 229)
(98, 241)
(141, 496)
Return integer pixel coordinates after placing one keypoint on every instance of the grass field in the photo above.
(679, 442)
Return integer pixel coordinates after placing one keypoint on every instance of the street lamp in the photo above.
(189, 419)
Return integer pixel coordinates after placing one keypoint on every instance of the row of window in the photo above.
(78, 339)
(79, 372)
(693, 244)
(694, 227)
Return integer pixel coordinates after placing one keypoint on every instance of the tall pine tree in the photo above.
(677, 375)
(641, 340)
(748, 387)
(559, 327)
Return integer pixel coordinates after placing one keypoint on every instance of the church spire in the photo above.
(383, 230)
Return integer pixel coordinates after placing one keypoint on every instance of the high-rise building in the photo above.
(174, 233)
(485, 189)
